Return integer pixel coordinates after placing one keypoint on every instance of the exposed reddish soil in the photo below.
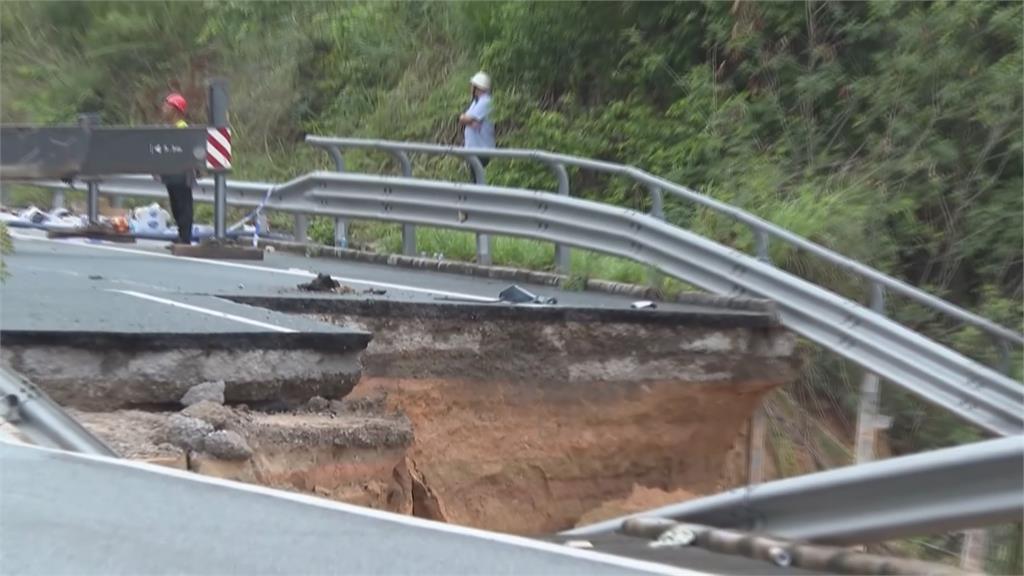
(527, 459)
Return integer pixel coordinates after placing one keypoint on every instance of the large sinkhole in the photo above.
(520, 419)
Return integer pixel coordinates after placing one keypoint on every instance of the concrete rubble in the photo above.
(228, 445)
(217, 415)
(205, 392)
(188, 433)
(318, 404)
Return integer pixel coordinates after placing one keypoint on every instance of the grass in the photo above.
(521, 253)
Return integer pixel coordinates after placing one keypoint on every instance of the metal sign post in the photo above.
(219, 120)
(87, 121)
(218, 161)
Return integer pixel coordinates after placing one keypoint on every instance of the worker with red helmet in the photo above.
(179, 186)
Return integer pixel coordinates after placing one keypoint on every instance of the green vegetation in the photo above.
(889, 131)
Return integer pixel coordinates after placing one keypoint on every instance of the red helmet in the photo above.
(177, 101)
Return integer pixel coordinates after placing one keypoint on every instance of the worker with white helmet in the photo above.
(479, 130)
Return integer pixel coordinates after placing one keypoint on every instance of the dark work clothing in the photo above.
(179, 191)
(483, 162)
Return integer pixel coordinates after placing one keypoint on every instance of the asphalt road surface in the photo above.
(66, 513)
(77, 284)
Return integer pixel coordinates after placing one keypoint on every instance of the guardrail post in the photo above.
(974, 550)
(301, 228)
(483, 241)
(219, 119)
(92, 186)
(93, 199)
(408, 230)
(340, 224)
(758, 428)
(563, 256)
(761, 245)
(339, 160)
(1005, 362)
(655, 278)
(341, 232)
(657, 202)
(868, 420)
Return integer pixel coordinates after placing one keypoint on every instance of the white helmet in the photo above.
(481, 81)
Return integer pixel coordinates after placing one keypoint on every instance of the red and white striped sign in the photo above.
(218, 148)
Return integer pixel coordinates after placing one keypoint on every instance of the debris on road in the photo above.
(58, 218)
(95, 277)
(375, 291)
(519, 295)
(643, 305)
(324, 283)
(211, 391)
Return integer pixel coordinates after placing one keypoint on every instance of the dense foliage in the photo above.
(890, 131)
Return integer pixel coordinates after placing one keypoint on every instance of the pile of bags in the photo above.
(32, 216)
(144, 221)
(150, 219)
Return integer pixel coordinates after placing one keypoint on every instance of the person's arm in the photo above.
(476, 113)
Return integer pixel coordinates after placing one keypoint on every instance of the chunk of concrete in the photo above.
(103, 373)
(228, 445)
(188, 433)
(207, 391)
(216, 414)
(318, 404)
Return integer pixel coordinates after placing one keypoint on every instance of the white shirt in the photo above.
(481, 136)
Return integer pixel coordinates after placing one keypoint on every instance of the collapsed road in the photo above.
(412, 393)
(72, 268)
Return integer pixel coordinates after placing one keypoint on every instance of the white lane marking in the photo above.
(309, 500)
(289, 272)
(208, 311)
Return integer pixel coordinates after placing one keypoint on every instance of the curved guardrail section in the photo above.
(967, 486)
(893, 352)
(762, 229)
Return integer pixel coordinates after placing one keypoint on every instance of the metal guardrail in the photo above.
(40, 419)
(952, 489)
(762, 229)
(886, 348)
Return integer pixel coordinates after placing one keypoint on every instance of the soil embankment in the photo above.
(525, 420)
